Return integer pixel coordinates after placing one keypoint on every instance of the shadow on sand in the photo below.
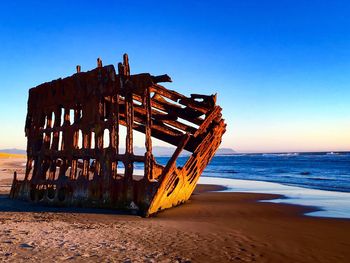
(13, 205)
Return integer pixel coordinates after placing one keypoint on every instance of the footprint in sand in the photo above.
(25, 245)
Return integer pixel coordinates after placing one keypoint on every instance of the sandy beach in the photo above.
(211, 227)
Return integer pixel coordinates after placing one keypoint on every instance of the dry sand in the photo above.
(211, 227)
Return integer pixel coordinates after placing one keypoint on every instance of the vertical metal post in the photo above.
(124, 73)
(77, 116)
(114, 129)
(148, 141)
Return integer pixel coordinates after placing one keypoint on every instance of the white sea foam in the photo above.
(279, 154)
(330, 203)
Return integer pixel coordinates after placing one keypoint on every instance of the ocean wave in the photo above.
(279, 154)
(218, 171)
(305, 173)
(332, 153)
(281, 171)
(234, 154)
(321, 179)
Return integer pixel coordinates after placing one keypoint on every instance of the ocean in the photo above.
(325, 171)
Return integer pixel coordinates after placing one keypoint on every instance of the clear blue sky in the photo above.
(281, 68)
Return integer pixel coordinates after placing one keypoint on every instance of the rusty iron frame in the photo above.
(69, 164)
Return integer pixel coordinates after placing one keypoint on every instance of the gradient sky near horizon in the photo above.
(281, 68)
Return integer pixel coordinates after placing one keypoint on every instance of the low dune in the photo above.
(11, 155)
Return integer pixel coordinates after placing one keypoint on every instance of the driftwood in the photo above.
(69, 163)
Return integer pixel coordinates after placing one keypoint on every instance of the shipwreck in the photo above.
(73, 141)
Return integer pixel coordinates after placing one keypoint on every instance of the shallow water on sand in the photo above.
(330, 203)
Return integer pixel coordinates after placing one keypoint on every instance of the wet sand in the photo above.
(211, 227)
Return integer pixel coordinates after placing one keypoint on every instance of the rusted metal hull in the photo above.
(73, 151)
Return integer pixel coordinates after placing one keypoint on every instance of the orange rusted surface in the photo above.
(72, 131)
